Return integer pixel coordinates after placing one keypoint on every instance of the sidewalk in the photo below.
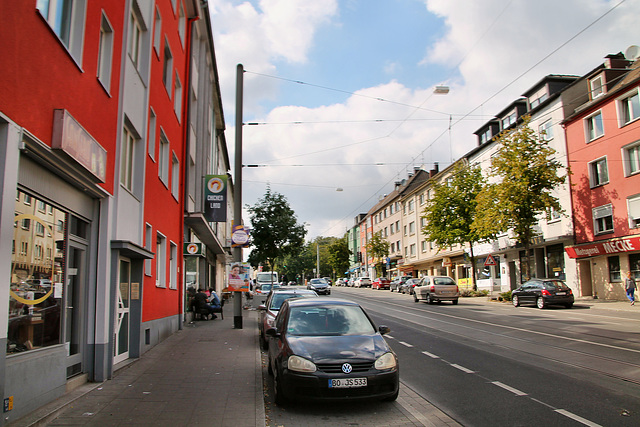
(207, 374)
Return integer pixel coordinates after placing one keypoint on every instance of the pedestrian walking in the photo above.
(630, 287)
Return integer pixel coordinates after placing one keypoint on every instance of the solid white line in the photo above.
(577, 418)
(511, 389)
(431, 355)
(462, 368)
(406, 344)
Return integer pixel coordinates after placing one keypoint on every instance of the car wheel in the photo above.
(269, 368)
(540, 303)
(569, 305)
(415, 297)
(279, 396)
(454, 302)
(515, 301)
(429, 299)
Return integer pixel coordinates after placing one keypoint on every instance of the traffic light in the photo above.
(359, 256)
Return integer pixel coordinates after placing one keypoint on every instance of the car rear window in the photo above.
(555, 285)
(443, 281)
(329, 320)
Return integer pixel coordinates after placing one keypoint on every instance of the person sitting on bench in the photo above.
(202, 305)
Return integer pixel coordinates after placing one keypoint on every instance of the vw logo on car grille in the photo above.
(347, 368)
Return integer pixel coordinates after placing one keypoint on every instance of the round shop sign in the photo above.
(240, 237)
(215, 185)
(192, 248)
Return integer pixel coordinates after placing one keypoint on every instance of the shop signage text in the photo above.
(604, 248)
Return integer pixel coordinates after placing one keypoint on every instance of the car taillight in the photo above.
(457, 289)
(546, 293)
(433, 288)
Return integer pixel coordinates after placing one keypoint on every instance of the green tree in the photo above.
(275, 230)
(528, 173)
(339, 255)
(378, 248)
(450, 213)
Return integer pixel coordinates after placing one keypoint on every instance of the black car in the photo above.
(320, 286)
(543, 292)
(268, 311)
(325, 348)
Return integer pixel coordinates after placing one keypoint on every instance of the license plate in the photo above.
(561, 293)
(348, 383)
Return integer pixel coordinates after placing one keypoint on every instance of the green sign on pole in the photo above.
(215, 198)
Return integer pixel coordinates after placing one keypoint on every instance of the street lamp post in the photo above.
(237, 192)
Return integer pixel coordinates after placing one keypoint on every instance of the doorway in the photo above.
(123, 318)
(74, 296)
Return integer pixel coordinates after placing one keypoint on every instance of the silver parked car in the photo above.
(436, 289)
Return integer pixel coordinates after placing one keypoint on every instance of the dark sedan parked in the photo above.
(325, 348)
(542, 293)
(320, 286)
(408, 286)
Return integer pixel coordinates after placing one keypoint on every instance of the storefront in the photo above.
(48, 281)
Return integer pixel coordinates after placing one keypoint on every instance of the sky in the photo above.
(339, 96)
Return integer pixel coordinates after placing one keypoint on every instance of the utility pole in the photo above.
(237, 192)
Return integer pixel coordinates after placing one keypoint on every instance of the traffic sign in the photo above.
(490, 260)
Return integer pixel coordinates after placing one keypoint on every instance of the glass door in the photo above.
(74, 308)
(121, 337)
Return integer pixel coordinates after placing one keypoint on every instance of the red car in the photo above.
(381, 283)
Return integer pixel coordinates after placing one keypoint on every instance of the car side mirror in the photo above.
(384, 329)
(262, 307)
(272, 332)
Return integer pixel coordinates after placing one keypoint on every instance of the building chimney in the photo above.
(434, 171)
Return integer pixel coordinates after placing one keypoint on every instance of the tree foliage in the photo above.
(527, 172)
(378, 248)
(275, 230)
(339, 255)
(451, 211)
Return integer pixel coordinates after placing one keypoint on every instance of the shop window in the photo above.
(614, 268)
(36, 292)
(634, 265)
(555, 262)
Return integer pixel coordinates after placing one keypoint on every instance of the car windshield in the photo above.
(278, 299)
(329, 320)
(555, 285)
(318, 282)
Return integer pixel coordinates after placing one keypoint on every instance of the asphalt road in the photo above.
(490, 364)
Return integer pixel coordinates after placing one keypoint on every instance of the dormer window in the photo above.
(509, 120)
(596, 87)
(485, 137)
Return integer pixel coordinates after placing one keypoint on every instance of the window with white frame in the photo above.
(161, 261)
(105, 53)
(163, 159)
(633, 207)
(421, 199)
(552, 215)
(509, 120)
(594, 126)
(127, 158)
(398, 226)
(405, 230)
(175, 176)
(167, 67)
(173, 266)
(66, 18)
(598, 172)
(157, 34)
(151, 140)
(148, 239)
(412, 249)
(182, 24)
(629, 108)
(135, 34)
(177, 97)
(546, 130)
(596, 87)
(411, 205)
(412, 227)
(485, 136)
(603, 219)
(424, 246)
(631, 155)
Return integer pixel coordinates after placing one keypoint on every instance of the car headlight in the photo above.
(386, 361)
(299, 364)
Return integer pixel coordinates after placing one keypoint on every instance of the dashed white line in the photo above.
(462, 368)
(577, 418)
(508, 388)
(406, 344)
(431, 355)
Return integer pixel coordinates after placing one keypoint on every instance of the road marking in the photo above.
(389, 336)
(406, 344)
(431, 355)
(577, 418)
(463, 369)
(511, 389)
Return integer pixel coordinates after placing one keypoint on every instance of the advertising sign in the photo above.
(239, 276)
(193, 249)
(215, 198)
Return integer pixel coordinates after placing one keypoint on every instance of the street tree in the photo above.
(527, 174)
(378, 248)
(339, 254)
(450, 213)
(275, 230)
